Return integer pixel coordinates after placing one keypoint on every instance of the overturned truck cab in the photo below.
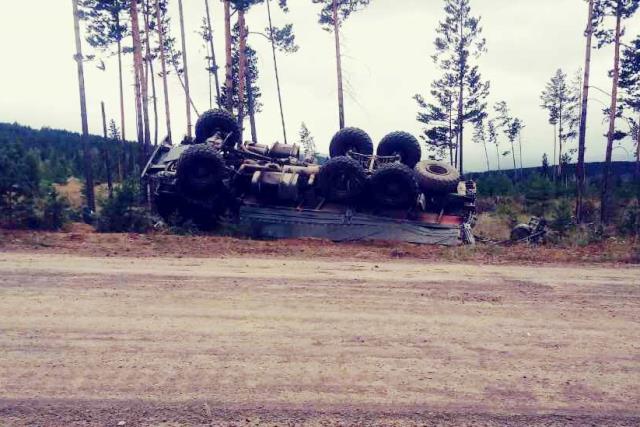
(274, 192)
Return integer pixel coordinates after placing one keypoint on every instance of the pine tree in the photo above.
(307, 142)
(630, 85)
(561, 100)
(185, 69)
(284, 40)
(252, 92)
(332, 16)
(213, 65)
(161, 22)
(439, 118)
(492, 135)
(79, 58)
(106, 26)
(620, 10)
(480, 137)
(582, 134)
(458, 44)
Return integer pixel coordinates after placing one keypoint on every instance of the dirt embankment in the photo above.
(81, 239)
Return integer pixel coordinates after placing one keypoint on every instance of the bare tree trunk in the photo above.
(486, 154)
(336, 32)
(638, 155)
(107, 157)
(185, 68)
(163, 63)
(228, 83)
(451, 160)
(88, 172)
(582, 137)
(149, 61)
(498, 157)
(144, 135)
(605, 199)
(251, 106)
(214, 63)
(121, 159)
(242, 69)
(560, 136)
(555, 151)
(520, 146)
(461, 103)
(275, 67)
(121, 84)
(513, 152)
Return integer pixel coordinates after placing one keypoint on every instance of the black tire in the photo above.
(437, 177)
(204, 214)
(520, 233)
(350, 139)
(200, 171)
(213, 121)
(402, 144)
(166, 205)
(394, 185)
(342, 179)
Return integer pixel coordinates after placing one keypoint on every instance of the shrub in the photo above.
(55, 211)
(562, 221)
(538, 194)
(629, 224)
(122, 213)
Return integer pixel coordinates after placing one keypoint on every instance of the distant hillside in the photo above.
(593, 170)
(60, 152)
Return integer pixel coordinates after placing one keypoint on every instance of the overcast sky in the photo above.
(386, 59)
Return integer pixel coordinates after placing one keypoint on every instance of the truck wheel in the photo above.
(402, 144)
(350, 139)
(166, 205)
(213, 121)
(437, 177)
(199, 171)
(342, 179)
(520, 232)
(394, 186)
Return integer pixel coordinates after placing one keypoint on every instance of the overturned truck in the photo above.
(273, 192)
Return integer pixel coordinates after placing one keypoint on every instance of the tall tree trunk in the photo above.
(144, 135)
(121, 87)
(520, 146)
(461, 98)
(242, 69)
(513, 152)
(163, 64)
(560, 137)
(88, 172)
(498, 157)
(638, 155)
(251, 106)
(486, 154)
(605, 199)
(185, 68)
(214, 63)
(451, 159)
(336, 32)
(149, 61)
(275, 68)
(121, 158)
(555, 151)
(107, 156)
(228, 82)
(582, 137)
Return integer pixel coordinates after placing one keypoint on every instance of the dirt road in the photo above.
(101, 341)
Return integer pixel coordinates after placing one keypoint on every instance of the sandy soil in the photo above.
(241, 341)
